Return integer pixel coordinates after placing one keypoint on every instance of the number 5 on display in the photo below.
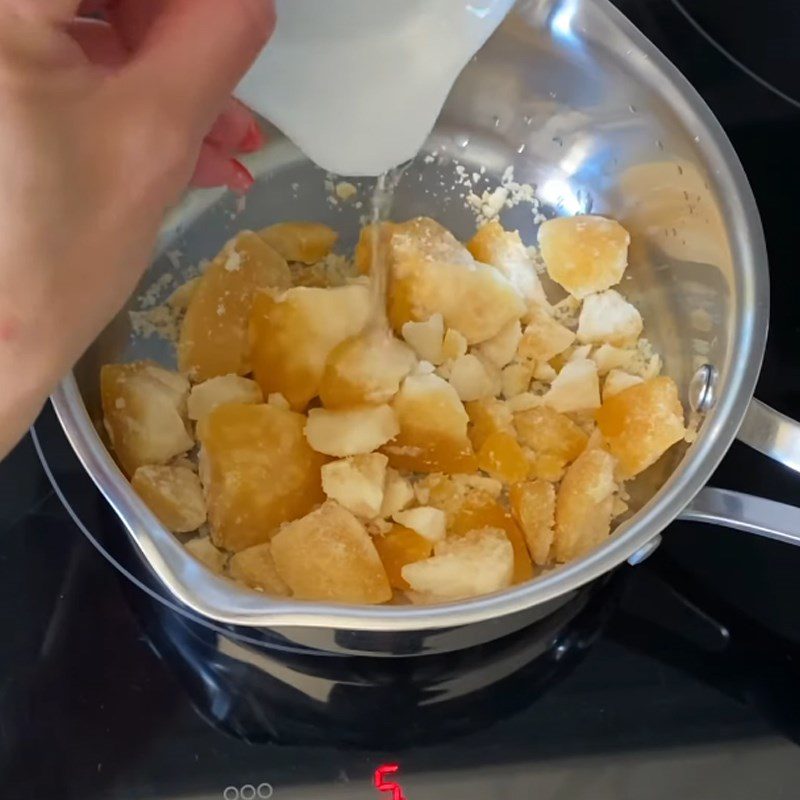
(382, 785)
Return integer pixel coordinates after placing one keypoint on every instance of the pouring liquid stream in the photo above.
(382, 199)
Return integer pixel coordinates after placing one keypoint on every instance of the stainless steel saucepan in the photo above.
(582, 106)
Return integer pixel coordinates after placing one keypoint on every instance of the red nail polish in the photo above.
(253, 140)
(241, 179)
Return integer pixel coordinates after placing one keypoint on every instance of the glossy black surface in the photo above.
(679, 678)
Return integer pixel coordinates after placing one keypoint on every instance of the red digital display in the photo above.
(392, 788)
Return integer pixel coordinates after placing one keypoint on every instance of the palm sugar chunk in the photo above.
(211, 557)
(346, 432)
(173, 494)
(477, 563)
(584, 505)
(293, 334)
(206, 396)
(398, 547)
(481, 511)
(144, 413)
(641, 423)
(306, 242)
(213, 338)
(431, 272)
(554, 440)
(543, 337)
(433, 428)
(255, 568)
(504, 250)
(487, 417)
(365, 370)
(259, 472)
(329, 556)
(502, 457)
(585, 254)
(533, 504)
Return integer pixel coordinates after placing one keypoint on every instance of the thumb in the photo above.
(194, 53)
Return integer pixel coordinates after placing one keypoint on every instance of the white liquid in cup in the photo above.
(358, 84)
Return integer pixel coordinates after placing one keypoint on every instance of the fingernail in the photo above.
(253, 139)
(241, 180)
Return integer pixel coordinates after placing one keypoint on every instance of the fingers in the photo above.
(215, 168)
(192, 53)
(236, 130)
(178, 61)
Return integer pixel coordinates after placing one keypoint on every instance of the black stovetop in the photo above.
(679, 678)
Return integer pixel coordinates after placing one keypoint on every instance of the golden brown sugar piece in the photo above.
(434, 273)
(553, 439)
(608, 318)
(545, 466)
(255, 568)
(357, 483)
(617, 381)
(500, 350)
(487, 417)
(454, 345)
(516, 379)
(474, 299)
(543, 338)
(504, 250)
(202, 548)
(144, 413)
(576, 388)
(173, 494)
(398, 547)
(206, 396)
(427, 521)
(502, 457)
(477, 563)
(641, 423)
(329, 556)
(482, 511)
(472, 379)
(365, 370)
(533, 505)
(433, 428)
(292, 336)
(426, 338)
(424, 239)
(608, 357)
(307, 242)
(584, 505)
(258, 471)
(351, 431)
(213, 338)
(584, 254)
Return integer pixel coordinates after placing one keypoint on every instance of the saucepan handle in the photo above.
(771, 433)
(777, 436)
(744, 512)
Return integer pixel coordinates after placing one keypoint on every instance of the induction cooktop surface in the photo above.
(676, 678)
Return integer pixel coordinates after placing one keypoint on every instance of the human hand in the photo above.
(102, 126)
